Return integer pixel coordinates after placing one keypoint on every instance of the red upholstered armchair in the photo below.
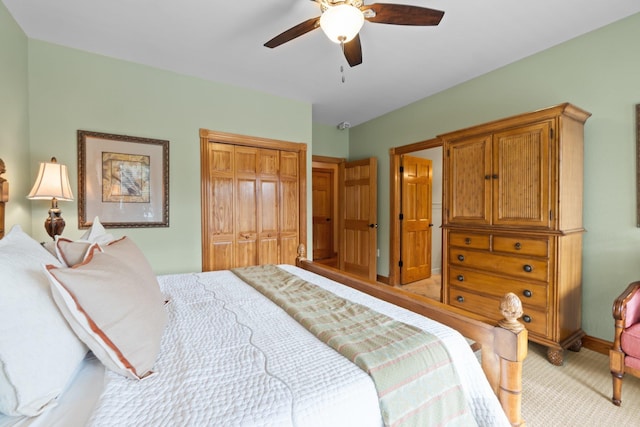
(624, 356)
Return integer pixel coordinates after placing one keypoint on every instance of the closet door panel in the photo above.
(268, 221)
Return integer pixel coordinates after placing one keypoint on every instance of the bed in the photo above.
(230, 356)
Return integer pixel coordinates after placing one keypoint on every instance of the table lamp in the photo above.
(52, 184)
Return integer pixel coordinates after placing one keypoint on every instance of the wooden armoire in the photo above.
(512, 221)
(253, 200)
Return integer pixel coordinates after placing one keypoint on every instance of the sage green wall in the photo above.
(330, 141)
(597, 72)
(70, 90)
(14, 118)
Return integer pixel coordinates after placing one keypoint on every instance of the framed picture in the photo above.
(123, 180)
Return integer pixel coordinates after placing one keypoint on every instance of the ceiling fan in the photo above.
(341, 21)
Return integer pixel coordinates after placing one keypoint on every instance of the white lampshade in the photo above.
(52, 182)
(341, 23)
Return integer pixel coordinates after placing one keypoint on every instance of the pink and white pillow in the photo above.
(113, 303)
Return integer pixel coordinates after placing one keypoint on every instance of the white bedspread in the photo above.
(231, 357)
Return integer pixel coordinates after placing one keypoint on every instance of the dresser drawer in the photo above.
(534, 320)
(526, 268)
(519, 246)
(533, 294)
(469, 240)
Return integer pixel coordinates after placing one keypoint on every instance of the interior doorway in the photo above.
(324, 184)
(432, 150)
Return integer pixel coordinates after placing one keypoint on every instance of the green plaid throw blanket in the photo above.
(415, 379)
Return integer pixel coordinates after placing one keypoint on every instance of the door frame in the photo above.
(395, 161)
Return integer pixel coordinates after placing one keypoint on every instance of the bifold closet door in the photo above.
(252, 206)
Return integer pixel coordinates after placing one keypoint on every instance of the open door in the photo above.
(416, 219)
(323, 221)
(358, 218)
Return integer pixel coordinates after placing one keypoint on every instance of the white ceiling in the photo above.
(223, 41)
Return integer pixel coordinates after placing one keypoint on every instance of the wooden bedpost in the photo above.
(511, 345)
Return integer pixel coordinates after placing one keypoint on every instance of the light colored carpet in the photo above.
(577, 393)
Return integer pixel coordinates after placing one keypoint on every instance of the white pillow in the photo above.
(113, 302)
(97, 233)
(39, 353)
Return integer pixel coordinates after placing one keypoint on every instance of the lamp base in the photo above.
(54, 224)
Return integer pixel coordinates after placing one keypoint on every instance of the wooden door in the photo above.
(290, 206)
(416, 219)
(358, 219)
(219, 188)
(468, 172)
(253, 200)
(521, 176)
(246, 206)
(268, 206)
(323, 221)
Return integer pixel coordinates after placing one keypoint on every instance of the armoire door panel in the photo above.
(521, 174)
(469, 176)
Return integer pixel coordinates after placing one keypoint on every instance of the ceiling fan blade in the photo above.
(400, 14)
(293, 32)
(353, 51)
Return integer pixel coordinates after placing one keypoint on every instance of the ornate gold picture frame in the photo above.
(123, 180)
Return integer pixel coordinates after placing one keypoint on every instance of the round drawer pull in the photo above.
(460, 257)
(467, 240)
(517, 246)
(460, 298)
(527, 268)
(526, 318)
(527, 293)
(460, 278)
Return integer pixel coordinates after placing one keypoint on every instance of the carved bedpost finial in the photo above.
(511, 309)
(302, 251)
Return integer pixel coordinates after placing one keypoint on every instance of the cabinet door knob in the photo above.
(467, 241)
(527, 268)
(526, 318)
(460, 298)
(494, 176)
(487, 177)
(460, 257)
(527, 293)
(460, 278)
(518, 246)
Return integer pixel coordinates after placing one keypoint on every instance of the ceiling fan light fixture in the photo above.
(341, 23)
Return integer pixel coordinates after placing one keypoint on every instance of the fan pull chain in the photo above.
(342, 72)
(342, 48)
